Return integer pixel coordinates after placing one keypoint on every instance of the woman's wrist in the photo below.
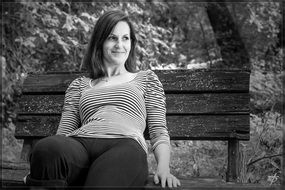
(163, 167)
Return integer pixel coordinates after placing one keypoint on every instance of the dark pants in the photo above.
(59, 161)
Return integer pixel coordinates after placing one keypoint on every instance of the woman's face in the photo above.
(117, 46)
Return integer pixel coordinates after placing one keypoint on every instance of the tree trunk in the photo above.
(233, 51)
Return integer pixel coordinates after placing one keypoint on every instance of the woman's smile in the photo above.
(118, 52)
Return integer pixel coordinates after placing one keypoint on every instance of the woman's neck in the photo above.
(114, 71)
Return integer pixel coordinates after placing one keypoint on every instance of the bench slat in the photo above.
(13, 177)
(203, 127)
(176, 103)
(197, 80)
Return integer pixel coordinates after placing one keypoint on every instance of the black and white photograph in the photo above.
(143, 94)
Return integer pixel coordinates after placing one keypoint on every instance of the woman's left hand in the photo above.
(164, 176)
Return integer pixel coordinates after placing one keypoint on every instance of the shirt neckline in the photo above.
(90, 82)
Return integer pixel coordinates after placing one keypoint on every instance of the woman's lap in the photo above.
(117, 162)
(124, 164)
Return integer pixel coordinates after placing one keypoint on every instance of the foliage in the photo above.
(192, 37)
(11, 147)
(11, 87)
(261, 157)
(266, 91)
(259, 24)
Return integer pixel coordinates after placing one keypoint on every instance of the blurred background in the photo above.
(40, 37)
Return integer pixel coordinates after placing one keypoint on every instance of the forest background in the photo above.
(38, 37)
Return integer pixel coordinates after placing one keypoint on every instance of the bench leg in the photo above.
(233, 161)
(27, 147)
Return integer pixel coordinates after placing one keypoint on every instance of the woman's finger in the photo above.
(169, 181)
(178, 182)
(155, 179)
(174, 182)
(163, 181)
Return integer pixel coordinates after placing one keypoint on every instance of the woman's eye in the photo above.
(126, 38)
(112, 38)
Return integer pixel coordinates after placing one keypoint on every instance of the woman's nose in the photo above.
(119, 44)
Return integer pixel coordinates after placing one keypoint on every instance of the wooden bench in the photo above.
(201, 105)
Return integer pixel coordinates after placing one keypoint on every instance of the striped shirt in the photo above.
(117, 111)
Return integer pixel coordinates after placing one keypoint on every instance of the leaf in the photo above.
(29, 42)
(274, 164)
(88, 16)
(43, 36)
(83, 24)
(58, 11)
(158, 41)
(69, 23)
(50, 21)
(74, 42)
(59, 40)
(64, 45)
(19, 39)
(3, 64)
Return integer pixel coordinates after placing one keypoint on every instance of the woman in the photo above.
(99, 141)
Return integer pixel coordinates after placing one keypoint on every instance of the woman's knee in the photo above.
(58, 157)
(48, 148)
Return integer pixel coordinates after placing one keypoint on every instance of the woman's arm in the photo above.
(163, 175)
(70, 119)
(159, 136)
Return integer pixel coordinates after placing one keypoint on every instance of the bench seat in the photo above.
(14, 172)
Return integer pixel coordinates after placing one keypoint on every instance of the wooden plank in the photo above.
(209, 127)
(14, 165)
(204, 80)
(188, 80)
(207, 103)
(186, 184)
(176, 103)
(13, 173)
(202, 127)
(41, 104)
(210, 183)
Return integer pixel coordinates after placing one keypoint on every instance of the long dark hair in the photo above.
(93, 59)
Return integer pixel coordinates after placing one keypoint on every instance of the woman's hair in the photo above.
(93, 59)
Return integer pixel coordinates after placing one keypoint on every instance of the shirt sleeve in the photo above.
(156, 111)
(70, 118)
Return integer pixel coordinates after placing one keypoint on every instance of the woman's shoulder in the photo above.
(149, 77)
(147, 73)
(80, 82)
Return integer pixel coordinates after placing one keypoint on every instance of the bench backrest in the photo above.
(201, 104)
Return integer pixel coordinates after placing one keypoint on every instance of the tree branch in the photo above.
(264, 157)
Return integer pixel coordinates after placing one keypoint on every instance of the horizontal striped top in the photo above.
(116, 111)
